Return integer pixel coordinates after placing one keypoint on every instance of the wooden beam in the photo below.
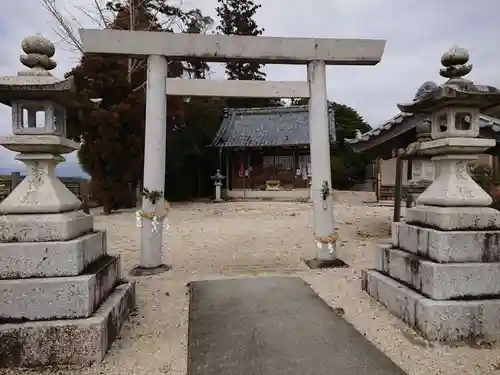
(399, 188)
(228, 155)
(494, 167)
(235, 88)
(378, 174)
(409, 176)
(223, 48)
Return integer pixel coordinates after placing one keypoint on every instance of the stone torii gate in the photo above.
(159, 47)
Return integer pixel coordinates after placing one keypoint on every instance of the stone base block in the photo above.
(50, 259)
(454, 218)
(67, 342)
(447, 246)
(59, 297)
(440, 281)
(445, 321)
(45, 227)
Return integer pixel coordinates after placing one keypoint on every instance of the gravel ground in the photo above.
(207, 241)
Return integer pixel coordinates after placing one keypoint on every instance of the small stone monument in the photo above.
(62, 299)
(442, 273)
(217, 179)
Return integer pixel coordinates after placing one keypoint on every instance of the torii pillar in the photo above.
(316, 53)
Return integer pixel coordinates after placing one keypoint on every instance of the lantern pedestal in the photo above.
(454, 187)
(41, 191)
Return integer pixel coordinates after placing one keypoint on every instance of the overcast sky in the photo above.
(417, 33)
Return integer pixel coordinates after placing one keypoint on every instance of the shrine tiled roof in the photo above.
(385, 127)
(267, 127)
(389, 125)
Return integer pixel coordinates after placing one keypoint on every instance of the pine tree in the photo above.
(237, 18)
(112, 152)
(197, 23)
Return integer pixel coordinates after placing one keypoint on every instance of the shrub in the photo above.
(482, 174)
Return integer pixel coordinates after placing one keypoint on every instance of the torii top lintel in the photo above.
(221, 48)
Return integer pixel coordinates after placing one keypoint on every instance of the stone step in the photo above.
(67, 342)
(447, 246)
(45, 227)
(440, 281)
(447, 321)
(59, 297)
(51, 259)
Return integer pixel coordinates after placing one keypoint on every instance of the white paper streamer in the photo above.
(154, 224)
(330, 248)
(138, 219)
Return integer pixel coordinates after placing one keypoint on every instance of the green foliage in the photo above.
(112, 133)
(152, 195)
(482, 174)
(237, 18)
(191, 161)
(348, 168)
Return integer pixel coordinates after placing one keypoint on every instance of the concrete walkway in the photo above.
(274, 325)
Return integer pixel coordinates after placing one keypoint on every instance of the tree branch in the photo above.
(63, 27)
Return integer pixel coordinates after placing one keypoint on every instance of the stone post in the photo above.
(441, 273)
(154, 167)
(319, 133)
(62, 297)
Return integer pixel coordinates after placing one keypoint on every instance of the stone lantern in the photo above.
(40, 142)
(61, 294)
(217, 179)
(441, 273)
(454, 108)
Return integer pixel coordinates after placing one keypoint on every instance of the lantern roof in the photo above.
(37, 83)
(457, 91)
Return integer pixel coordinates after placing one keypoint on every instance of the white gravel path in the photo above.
(255, 238)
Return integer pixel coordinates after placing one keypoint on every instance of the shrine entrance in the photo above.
(160, 47)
